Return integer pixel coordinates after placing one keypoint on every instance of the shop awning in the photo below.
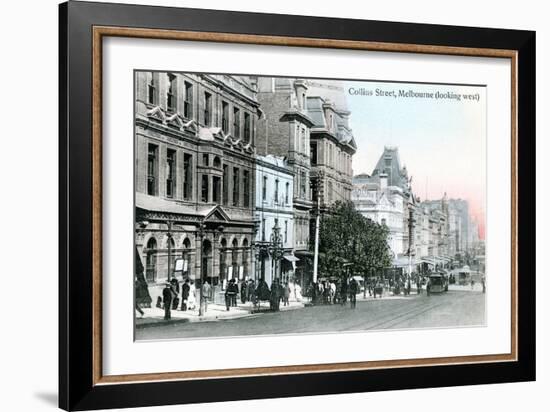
(291, 258)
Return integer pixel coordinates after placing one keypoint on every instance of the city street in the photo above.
(451, 309)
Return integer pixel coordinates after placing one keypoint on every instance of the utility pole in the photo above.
(316, 255)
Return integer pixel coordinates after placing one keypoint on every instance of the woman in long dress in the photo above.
(298, 292)
(192, 299)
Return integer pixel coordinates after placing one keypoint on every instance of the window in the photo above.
(247, 127)
(188, 102)
(152, 90)
(151, 260)
(275, 225)
(264, 189)
(217, 162)
(236, 186)
(225, 184)
(152, 173)
(205, 159)
(204, 189)
(225, 117)
(263, 229)
(246, 188)
(286, 231)
(303, 185)
(303, 101)
(170, 175)
(329, 192)
(216, 189)
(313, 153)
(276, 195)
(207, 109)
(171, 93)
(287, 190)
(236, 122)
(187, 176)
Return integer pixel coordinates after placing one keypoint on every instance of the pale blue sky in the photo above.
(441, 141)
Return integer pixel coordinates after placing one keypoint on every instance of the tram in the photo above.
(438, 283)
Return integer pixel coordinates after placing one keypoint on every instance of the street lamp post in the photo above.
(201, 233)
(169, 235)
(276, 247)
(255, 251)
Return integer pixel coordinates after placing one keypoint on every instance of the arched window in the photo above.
(206, 258)
(217, 162)
(151, 260)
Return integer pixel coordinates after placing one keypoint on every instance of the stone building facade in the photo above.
(332, 144)
(284, 131)
(385, 197)
(194, 175)
(275, 216)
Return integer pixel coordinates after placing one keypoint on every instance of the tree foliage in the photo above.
(347, 237)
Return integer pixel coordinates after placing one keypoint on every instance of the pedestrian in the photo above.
(483, 283)
(185, 289)
(472, 282)
(332, 292)
(137, 297)
(250, 290)
(235, 292)
(192, 300)
(343, 292)
(298, 292)
(428, 287)
(167, 295)
(175, 285)
(286, 294)
(229, 292)
(244, 293)
(353, 288)
(205, 294)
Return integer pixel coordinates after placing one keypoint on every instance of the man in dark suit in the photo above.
(353, 289)
(167, 295)
(185, 294)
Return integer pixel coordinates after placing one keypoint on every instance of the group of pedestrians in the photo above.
(171, 296)
(327, 292)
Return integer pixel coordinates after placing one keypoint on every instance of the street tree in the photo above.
(348, 239)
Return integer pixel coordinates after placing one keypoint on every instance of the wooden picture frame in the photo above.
(83, 26)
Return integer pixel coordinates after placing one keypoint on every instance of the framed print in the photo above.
(257, 206)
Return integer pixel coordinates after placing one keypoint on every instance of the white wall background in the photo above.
(28, 348)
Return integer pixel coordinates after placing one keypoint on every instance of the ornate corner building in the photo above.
(194, 175)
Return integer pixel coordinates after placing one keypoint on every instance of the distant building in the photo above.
(274, 213)
(194, 175)
(385, 197)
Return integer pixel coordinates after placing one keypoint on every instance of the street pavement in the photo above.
(458, 307)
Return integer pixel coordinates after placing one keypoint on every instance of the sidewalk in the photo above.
(155, 316)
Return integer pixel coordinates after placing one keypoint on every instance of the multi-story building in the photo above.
(332, 144)
(284, 130)
(385, 197)
(308, 123)
(194, 174)
(382, 204)
(274, 212)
